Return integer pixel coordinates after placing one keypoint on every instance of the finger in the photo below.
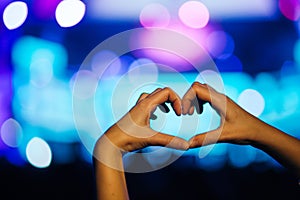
(165, 95)
(142, 97)
(187, 101)
(203, 139)
(204, 93)
(191, 110)
(162, 139)
(191, 102)
(163, 107)
(155, 91)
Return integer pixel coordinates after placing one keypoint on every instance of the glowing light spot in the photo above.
(290, 9)
(11, 133)
(84, 83)
(289, 68)
(220, 45)
(106, 63)
(69, 12)
(142, 71)
(194, 14)
(160, 46)
(38, 153)
(41, 68)
(154, 15)
(252, 101)
(15, 14)
(29, 53)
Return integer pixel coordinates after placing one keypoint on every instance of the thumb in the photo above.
(162, 139)
(203, 139)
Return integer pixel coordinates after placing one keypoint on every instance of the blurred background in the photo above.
(254, 44)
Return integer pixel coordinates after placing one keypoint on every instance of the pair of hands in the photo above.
(133, 130)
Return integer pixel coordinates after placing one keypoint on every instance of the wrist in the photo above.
(262, 133)
(108, 154)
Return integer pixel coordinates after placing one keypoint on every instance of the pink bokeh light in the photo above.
(170, 49)
(290, 9)
(194, 14)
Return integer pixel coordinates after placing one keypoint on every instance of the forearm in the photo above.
(109, 173)
(281, 146)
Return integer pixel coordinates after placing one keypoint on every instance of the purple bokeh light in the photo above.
(168, 44)
(290, 9)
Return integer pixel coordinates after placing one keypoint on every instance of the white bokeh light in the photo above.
(69, 12)
(252, 101)
(15, 14)
(194, 14)
(38, 153)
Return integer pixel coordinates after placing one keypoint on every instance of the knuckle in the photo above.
(196, 84)
(167, 89)
(143, 95)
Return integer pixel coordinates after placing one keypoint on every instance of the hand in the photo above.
(237, 126)
(133, 130)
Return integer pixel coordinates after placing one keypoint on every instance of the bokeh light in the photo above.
(11, 133)
(155, 15)
(69, 12)
(106, 63)
(15, 14)
(160, 47)
(220, 44)
(30, 53)
(269, 87)
(41, 68)
(38, 153)
(194, 14)
(290, 9)
(142, 71)
(6, 93)
(252, 101)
